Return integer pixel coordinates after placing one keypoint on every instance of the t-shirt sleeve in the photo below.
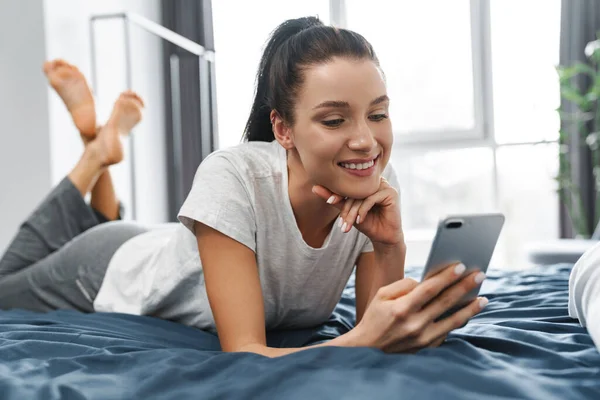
(220, 198)
(392, 179)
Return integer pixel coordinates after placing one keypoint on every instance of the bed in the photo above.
(524, 346)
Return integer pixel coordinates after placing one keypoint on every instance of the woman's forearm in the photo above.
(390, 262)
(389, 266)
(350, 339)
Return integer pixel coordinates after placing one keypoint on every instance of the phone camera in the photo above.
(454, 224)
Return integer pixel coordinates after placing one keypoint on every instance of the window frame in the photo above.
(480, 58)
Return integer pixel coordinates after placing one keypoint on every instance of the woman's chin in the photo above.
(356, 191)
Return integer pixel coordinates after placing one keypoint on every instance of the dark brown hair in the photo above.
(294, 45)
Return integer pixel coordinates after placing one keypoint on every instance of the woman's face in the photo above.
(342, 133)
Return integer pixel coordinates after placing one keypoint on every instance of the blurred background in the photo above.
(476, 89)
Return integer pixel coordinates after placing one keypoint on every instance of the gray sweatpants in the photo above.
(59, 256)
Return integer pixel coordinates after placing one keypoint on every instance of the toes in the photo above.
(59, 62)
(134, 96)
(50, 66)
(54, 64)
(130, 94)
(47, 67)
(59, 67)
(127, 111)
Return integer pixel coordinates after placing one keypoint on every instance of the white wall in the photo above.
(68, 37)
(24, 141)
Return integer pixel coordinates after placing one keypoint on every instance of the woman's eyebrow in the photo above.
(345, 104)
(333, 104)
(380, 100)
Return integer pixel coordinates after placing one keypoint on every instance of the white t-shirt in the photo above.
(241, 192)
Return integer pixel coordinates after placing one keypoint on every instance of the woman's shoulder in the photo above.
(253, 159)
(224, 194)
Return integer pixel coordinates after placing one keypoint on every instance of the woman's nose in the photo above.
(363, 139)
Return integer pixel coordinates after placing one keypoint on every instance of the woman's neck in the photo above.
(314, 216)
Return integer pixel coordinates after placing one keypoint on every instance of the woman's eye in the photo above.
(333, 122)
(378, 117)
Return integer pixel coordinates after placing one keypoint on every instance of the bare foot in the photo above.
(71, 86)
(127, 112)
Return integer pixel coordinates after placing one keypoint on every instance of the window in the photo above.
(525, 83)
(526, 96)
(441, 182)
(426, 50)
(527, 195)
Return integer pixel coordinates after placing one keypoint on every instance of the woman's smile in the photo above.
(360, 167)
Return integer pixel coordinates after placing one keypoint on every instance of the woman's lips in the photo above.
(360, 172)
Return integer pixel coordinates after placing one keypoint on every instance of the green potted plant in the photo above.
(583, 121)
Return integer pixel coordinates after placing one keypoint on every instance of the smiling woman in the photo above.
(321, 102)
(271, 229)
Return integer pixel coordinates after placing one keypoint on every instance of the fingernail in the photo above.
(331, 199)
(358, 219)
(344, 227)
(483, 302)
(460, 269)
(480, 277)
(340, 222)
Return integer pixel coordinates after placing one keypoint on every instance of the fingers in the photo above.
(433, 286)
(396, 289)
(349, 214)
(459, 318)
(331, 198)
(436, 333)
(384, 197)
(438, 342)
(451, 296)
(369, 203)
(357, 212)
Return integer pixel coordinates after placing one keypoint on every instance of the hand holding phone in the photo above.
(404, 316)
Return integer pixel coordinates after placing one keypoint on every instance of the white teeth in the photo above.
(359, 166)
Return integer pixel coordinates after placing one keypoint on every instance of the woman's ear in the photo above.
(283, 134)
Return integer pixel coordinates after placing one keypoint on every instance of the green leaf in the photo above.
(596, 87)
(574, 96)
(566, 73)
(592, 96)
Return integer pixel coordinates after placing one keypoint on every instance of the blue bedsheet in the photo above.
(524, 346)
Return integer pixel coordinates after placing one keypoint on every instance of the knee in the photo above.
(124, 230)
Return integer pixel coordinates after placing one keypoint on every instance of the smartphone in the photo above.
(468, 239)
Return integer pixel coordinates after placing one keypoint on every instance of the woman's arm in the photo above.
(400, 318)
(235, 295)
(375, 270)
